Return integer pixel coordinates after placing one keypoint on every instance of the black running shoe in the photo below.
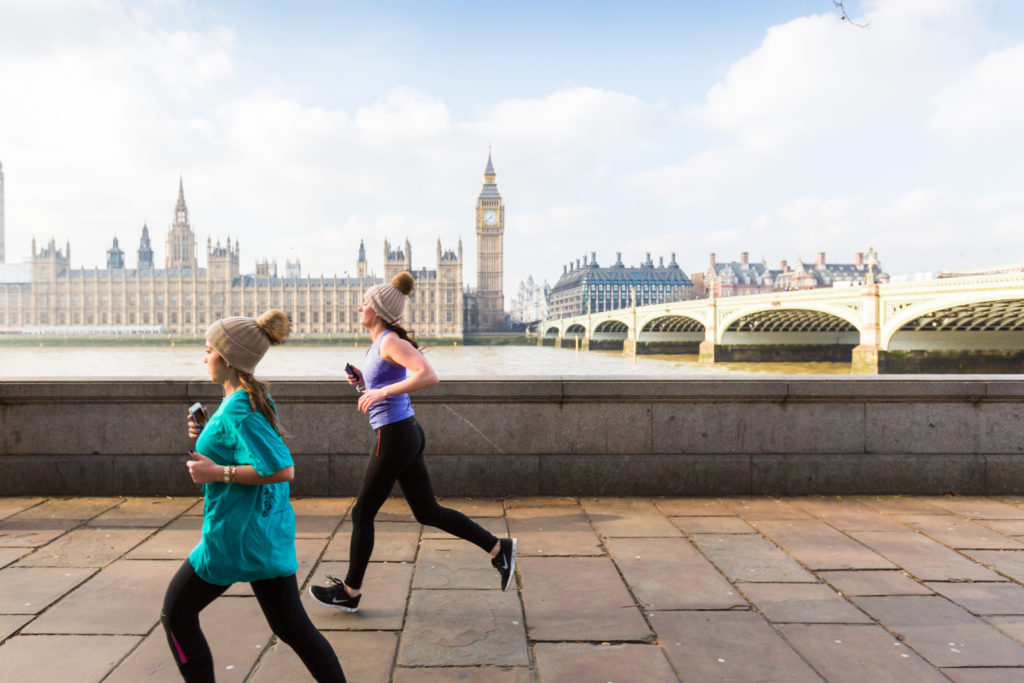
(335, 595)
(505, 562)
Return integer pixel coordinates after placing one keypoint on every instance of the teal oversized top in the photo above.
(248, 531)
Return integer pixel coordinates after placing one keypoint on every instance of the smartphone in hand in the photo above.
(198, 413)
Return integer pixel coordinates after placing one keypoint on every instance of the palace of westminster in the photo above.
(184, 298)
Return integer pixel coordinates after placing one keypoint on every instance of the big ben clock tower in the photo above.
(490, 226)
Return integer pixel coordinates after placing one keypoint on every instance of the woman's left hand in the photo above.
(204, 470)
(369, 397)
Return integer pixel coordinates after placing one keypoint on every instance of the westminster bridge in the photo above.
(965, 324)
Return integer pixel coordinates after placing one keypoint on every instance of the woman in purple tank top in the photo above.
(395, 367)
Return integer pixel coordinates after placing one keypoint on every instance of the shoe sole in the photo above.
(331, 604)
(512, 566)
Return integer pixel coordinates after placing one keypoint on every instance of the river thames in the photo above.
(183, 361)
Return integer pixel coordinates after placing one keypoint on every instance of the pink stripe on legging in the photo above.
(181, 654)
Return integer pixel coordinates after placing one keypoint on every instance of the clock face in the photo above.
(490, 218)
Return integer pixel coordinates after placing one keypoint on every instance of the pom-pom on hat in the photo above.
(388, 300)
(242, 341)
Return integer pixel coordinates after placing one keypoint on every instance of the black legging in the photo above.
(188, 594)
(398, 456)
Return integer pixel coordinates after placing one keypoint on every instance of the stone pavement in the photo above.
(861, 588)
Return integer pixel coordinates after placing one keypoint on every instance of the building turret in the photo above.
(115, 257)
(181, 240)
(145, 250)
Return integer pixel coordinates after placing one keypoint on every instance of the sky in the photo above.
(689, 127)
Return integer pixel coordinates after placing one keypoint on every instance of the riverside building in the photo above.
(735, 278)
(589, 288)
(48, 295)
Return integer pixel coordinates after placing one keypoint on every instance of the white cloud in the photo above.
(988, 102)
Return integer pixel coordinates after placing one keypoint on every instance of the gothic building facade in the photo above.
(184, 298)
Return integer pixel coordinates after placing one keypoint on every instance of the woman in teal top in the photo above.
(248, 523)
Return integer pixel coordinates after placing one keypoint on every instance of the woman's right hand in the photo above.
(194, 428)
(356, 380)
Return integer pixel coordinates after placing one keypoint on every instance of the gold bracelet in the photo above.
(229, 474)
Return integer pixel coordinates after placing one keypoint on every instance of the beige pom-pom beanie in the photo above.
(388, 300)
(242, 341)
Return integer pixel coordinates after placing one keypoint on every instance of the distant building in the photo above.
(589, 288)
(183, 298)
(530, 303)
(736, 278)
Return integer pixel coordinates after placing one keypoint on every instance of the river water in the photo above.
(183, 361)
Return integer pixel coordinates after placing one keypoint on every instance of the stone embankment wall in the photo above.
(544, 436)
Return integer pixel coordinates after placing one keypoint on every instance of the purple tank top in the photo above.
(378, 373)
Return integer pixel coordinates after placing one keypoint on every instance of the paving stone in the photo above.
(922, 557)
(487, 628)
(78, 658)
(395, 509)
(14, 505)
(818, 546)
(363, 656)
(382, 607)
(984, 598)
(763, 508)
(874, 583)
(977, 507)
(744, 557)
(86, 548)
(124, 598)
(846, 515)
(713, 525)
(235, 630)
(540, 501)
(987, 674)
(1008, 562)
(143, 512)
(9, 623)
(669, 573)
(960, 533)
(453, 564)
(899, 505)
(943, 633)
(307, 551)
(553, 531)
(1011, 626)
(728, 646)
(805, 603)
(627, 517)
(174, 542)
(858, 653)
(30, 590)
(319, 517)
(587, 662)
(496, 525)
(475, 507)
(578, 598)
(463, 674)
(692, 507)
(1008, 527)
(19, 532)
(80, 509)
(10, 555)
(392, 542)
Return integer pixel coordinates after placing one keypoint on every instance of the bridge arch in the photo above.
(962, 322)
(552, 332)
(804, 325)
(575, 330)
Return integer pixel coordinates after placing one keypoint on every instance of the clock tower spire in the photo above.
(490, 229)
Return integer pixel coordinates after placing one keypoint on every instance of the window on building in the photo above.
(160, 301)
(218, 299)
(131, 299)
(62, 300)
(88, 319)
(188, 299)
(448, 316)
(188, 316)
(341, 316)
(159, 317)
(174, 317)
(316, 316)
(131, 318)
(202, 299)
(302, 316)
(449, 297)
(103, 318)
(77, 319)
(117, 299)
(327, 317)
(316, 298)
(145, 299)
(117, 317)
(42, 299)
(202, 317)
